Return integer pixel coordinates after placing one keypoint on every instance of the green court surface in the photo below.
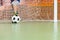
(30, 31)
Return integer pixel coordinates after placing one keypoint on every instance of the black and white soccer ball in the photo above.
(16, 19)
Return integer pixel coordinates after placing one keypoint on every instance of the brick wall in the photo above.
(36, 12)
(58, 9)
(27, 12)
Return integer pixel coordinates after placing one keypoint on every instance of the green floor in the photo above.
(29, 31)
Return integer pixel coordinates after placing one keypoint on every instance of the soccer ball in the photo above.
(16, 19)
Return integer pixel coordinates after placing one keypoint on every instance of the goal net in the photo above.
(30, 10)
